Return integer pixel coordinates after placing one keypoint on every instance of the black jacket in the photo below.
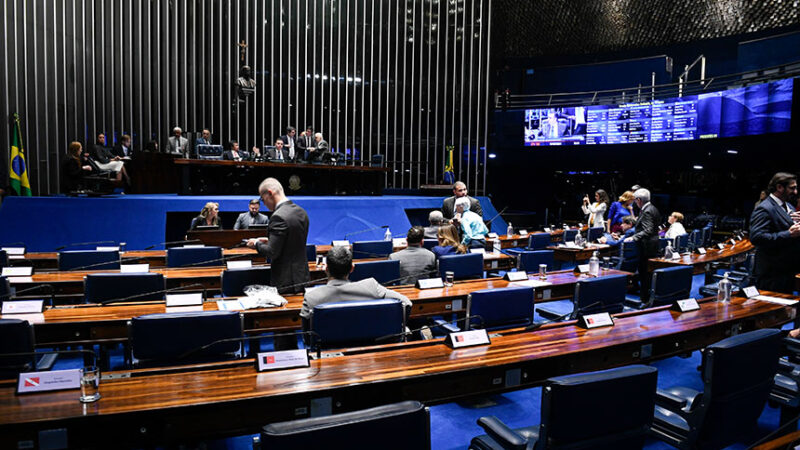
(646, 231)
(777, 252)
(448, 207)
(286, 248)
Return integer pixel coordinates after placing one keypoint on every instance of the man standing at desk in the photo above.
(646, 238)
(460, 190)
(252, 217)
(289, 144)
(775, 231)
(285, 245)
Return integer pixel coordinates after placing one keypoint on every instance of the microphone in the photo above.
(406, 333)
(77, 244)
(172, 242)
(538, 324)
(160, 291)
(497, 215)
(58, 352)
(249, 338)
(49, 287)
(364, 231)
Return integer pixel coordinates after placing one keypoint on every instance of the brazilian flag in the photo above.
(18, 176)
(449, 172)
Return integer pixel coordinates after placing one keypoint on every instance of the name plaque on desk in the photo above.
(751, 291)
(344, 243)
(286, 359)
(701, 250)
(686, 305)
(17, 251)
(430, 283)
(582, 268)
(470, 338)
(23, 306)
(191, 299)
(721, 246)
(519, 275)
(194, 246)
(246, 264)
(733, 243)
(598, 320)
(492, 236)
(134, 268)
(107, 249)
(24, 271)
(548, 230)
(523, 232)
(53, 380)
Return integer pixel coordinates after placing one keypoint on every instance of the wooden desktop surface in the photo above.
(702, 263)
(159, 407)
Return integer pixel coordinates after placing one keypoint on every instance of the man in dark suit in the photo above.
(205, 138)
(775, 232)
(646, 238)
(278, 153)
(285, 244)
(123, 148)
(232, 152)
(305, 143)
(459, 190)
(289, 144)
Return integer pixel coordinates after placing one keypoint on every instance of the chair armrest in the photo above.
(785, 367)
(46, 361)
(501, 433)
(638, 304)
(669, 401)
(792, 347)
(446, 326)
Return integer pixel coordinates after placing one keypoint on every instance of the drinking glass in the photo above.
(90, 382)
(448, 278)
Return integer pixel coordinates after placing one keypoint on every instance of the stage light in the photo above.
(492, 156)
(697, 167)
(733, 152)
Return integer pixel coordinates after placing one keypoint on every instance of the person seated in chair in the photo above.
(675, 227)
(340, 288)
(473, 230)
(208, 217)
(448, 242)
(415, 261)
(251, 217)
(614, 239)
(105, 160)
(232, 152)
(436, 220)
(73, 168)
(279, 153)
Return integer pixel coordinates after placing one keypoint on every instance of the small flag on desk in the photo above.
(449, 171)
(18, 175)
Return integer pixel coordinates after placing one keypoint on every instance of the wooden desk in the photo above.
(224, 238)
(160, 407)
(702, 263)
(517, 240)
(97, 324)
(574, 255)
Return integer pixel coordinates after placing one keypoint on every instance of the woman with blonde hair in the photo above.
(448, 242)
(619, 209)
(73, 168)
(208, 216)
(675, 226)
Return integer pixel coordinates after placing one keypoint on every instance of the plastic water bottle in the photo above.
(724, 289)
(594, 265)
(388, 235)
(510, 229)
(668, 251)
(579, 239)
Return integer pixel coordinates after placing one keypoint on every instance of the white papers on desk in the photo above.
(237, 305)
(13, 280)
(778, 300)
(531, 283)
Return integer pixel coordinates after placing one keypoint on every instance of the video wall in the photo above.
(751, 110)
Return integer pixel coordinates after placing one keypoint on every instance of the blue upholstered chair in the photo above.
(662, 245)
(529, 260)
(539, 241)
(430, 243)
(88, 260)
(465, 266)
(233, 281)
(594, 234)
(404, 425)
(608, 290)
(695, 239)
(668, 284)
(311, 252)
(628, 257)
(569, 235)
(177, 338)
(371, 249)
(681, 243)
(102, 287)
(708, 230)
(500, 308)
(16, 336)
(598, 410)
(356, 323)
(3, 258)
(194, 256)
(385, 272)
(738, 374)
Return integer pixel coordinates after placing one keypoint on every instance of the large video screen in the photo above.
(758, 109)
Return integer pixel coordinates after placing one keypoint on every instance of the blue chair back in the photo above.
(357, 322)
(707, 231)
(165, 339)
(430, 243)
(3, 258)
(371, 249)
(384, 272)
(529, 260)
(539, 241)
(570, 406)
(738, 374)
(608, 290)
(670, 284)
(628, 257)
(233, 281)
(88, 260)
(500, 308)
(594, 234)
(367, 428)
(194, 257)
(469, 265)
(696, 238)
(5, 290)
(99, 287)
(662, 244)
(681, 242)
(569, 235)
(311, 252)
(16, 336)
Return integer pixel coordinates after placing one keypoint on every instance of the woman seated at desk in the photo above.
(675, 227)
(73, 168)
(208, 217)
(448, 242)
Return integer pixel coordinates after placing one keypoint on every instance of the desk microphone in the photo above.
(189, 241)
(77, 244)
(496, 215)
(365, 231)
(33, 288)
(160, 291)
(539, 323)
(409, 332)
(48, 352)
(250, 338)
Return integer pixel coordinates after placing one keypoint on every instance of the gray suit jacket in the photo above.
(173, 146)
(448, 207)
(415, 263)
(432, 232)
(342, 290)
(244, 220)
(286, 248)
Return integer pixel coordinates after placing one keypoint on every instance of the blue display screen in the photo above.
(751, 110)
